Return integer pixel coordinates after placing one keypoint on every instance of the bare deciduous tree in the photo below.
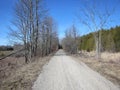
(27, 24)
(49, 36)
(95, 20)
(70, 43)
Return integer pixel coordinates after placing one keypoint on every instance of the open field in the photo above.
(16, 75)
(108, 66)
(4, 53)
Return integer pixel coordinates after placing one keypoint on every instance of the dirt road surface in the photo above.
(64, 73)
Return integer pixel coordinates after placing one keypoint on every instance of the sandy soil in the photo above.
(64, 73)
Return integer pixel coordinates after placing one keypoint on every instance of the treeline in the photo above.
(110, 40)
(6, 48)
(34, 28)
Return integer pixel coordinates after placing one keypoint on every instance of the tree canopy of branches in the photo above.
(32, 28)
(69, 43)
(95, 20)
(48, 36)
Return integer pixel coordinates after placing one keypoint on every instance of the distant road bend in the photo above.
(64, 73)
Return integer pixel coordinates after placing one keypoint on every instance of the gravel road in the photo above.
(64, 73)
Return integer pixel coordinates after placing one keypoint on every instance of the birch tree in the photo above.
(27, 24)
(49, 36)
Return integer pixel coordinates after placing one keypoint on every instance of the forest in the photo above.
(110, 40)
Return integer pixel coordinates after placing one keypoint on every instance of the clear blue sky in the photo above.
(63, 11)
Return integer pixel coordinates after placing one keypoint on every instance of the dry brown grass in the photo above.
(9, 65)
(3, 53)
(22, 78)
(108, 66)
(111, 57)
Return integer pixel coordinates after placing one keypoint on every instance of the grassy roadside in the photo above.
(108, 69)
(23, 77)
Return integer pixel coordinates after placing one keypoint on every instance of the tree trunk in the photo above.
(97, 36)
